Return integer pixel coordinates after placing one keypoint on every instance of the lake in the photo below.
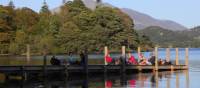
(176, 79)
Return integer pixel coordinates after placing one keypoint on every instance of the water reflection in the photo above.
(140, 80)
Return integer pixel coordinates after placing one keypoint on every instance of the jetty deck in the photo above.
(90, 68)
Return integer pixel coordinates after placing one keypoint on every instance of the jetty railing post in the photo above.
(168, 82)
(105, 62)
(28, 53)
(186, 57)
(157, 79)
(168, 54)
(139, 50)
(23, 73)
(177, 80)
(177, 56)
(86, 61)
(105, 54)
(45, 61)
(187, 79)
(156, 59)
(123, 59)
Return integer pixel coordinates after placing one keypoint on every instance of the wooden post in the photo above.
(86, 61)
(172, 68)
(24, 75)
(168, 54)
(105, 54)
(44, 61)
(140, 79)
(177, 80)
(157, 79)
(123, 59)
(168, 82)
(187, 78)
(186, 57)
(123, 51)
(156, 59)
(28, 53)
(139, 50)
(177, 56)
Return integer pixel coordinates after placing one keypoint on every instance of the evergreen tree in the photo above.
(11, 4)
(44, 8)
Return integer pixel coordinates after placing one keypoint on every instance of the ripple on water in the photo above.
(194, 68)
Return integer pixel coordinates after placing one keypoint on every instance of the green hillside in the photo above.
(166, 38)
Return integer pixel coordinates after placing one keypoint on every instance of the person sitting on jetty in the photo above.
(54, 61)
(82, 56)
(108, 59)
(117, 61)
(152, 58)
(165, 62)
(143, 60)
(71, 59)
(132, 60)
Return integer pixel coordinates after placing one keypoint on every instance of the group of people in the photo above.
(133, 61)
(71, 60)
(116, 61)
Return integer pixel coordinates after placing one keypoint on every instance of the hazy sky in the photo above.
(185, 12)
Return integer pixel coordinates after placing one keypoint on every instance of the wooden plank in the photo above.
(90, 67)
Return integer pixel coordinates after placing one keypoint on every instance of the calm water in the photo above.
(177, 79)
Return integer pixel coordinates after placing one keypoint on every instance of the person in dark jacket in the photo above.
(82, 56)
(152, 59)
(54, 61)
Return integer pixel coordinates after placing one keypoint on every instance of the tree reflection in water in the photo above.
(98, 81)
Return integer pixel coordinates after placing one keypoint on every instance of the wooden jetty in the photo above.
(105, 68)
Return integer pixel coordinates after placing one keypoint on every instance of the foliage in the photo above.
(71, 29)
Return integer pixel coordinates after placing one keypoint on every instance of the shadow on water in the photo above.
(141, 80)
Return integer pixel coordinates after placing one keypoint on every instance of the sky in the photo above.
(185, 12)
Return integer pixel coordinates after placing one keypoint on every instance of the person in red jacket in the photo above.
(132, 60)
(108, 59)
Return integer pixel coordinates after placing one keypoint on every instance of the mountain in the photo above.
(166, 37)
(141, 20)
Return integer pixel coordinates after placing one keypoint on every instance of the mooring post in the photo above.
(105, 54)
(156, 59)
(157, 79)
(139, 50)
(177, 56)
(187, 79)
(105, 62)
(177, 80)
(168, 54)
(168, 82)
(86, 61)
(44, 63)
(186, 57)
(123, 59)
(66, 71)
(28, 53)
(23, 73)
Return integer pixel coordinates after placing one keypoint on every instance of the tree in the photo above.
(44, 8)
(11, 4)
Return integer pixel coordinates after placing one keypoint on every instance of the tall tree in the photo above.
(44, 8)
(11, 4)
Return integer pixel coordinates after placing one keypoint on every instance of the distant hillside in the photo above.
(165, 37)
(141, 20)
